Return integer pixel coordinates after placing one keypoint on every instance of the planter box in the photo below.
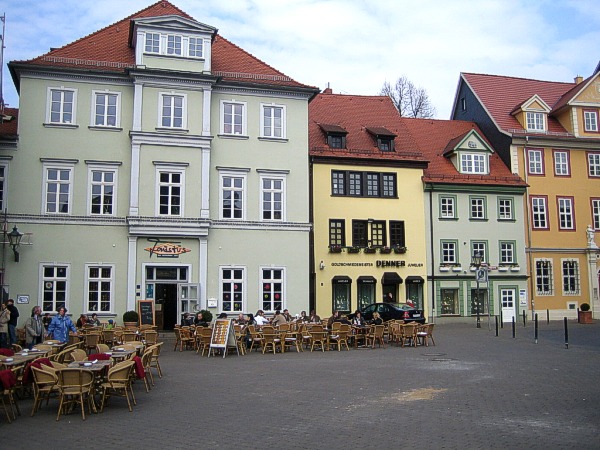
(444, 269)
(502, 269)
(515, 269)
(335, 249)
(384, 250)
(353, 249)
(585, 317)
(369, 250)
(457, 269)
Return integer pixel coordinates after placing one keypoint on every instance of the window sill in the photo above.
(185, 58)
(61, 125)
(272, 139)
(448, 218)
(233, 136)
(475, 219)
(507, 220)
(172, 130)
(101, 128)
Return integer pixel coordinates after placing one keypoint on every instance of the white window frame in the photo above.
(566, 213)
(535, 121)
(544, 272)
(154, 49)
(110, 280)
(241, 280)
(450, 204)
(593, 164)
(590, 121)
(174, 45)
(595, 205)
(535, 161)
(505, 208)
(482, 248)
(263, 120)
(507, 252)
(166, 48)
(170, 170)
(61, 121)
(575, 277)
(104, 115)
(476, 163)
(262, 290)
(449, 247)
(480, 204)
(542, 213)
(3, 185)
(199, 42)
(172, 117)
(233, 174)
(561, 163)
(264, 191)
(103, 183)
(44, 281)
(244, 130)
(45, 192)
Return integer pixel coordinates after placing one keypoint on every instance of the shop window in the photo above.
(450, 302)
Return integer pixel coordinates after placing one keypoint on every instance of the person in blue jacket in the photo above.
(60, 326)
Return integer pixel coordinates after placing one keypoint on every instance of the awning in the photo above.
(414, 279)
(342, 279)
(366, 279)
(391, 278)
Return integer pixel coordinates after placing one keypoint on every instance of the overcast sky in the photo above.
(354, 45)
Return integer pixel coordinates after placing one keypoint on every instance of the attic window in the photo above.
(385, 138)
(174, 45)
(336, 135)
(535, 121)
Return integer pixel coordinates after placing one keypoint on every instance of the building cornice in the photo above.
(175, 140)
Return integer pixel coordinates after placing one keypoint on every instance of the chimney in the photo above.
(327, 91)
(578, 79)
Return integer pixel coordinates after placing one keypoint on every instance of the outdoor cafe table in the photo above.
(99, 369)
(120, 355)
(18, 360)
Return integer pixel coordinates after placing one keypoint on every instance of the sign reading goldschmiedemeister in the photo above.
(377, 263)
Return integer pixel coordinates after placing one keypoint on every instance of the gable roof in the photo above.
(436, 137)
(108, 49)
(9, 123)
(500, 95)
(358, 114)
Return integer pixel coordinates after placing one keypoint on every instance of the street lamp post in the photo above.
(14, 240)
(476, 262)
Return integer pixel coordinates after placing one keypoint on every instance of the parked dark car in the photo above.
(396, 311)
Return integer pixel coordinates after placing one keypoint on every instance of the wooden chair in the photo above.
(409, 334)
(376, 335)
(150, 337)
(425, 334)
(290, 340)
(102, 348)
(78, 355)
(318, 337)
(256, 338)
(108, 337)
(129, 336)
(240, 339)
(154, 363)
(270, 339)
(182, 338)
(7, 395)
(75, 389)
(91, 341)
(44, 385)
(148, 377)
(118, 383)
(339, 338)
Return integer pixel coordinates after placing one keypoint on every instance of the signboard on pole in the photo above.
(481, 276)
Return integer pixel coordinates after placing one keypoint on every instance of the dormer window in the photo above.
(535, 121)
(473, 163)
(173, 45)
(152, 43)
(385, 138)
(385, 144)
(336, 135)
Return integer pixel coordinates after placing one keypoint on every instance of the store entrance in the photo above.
(166, 296)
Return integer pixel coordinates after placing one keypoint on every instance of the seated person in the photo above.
(187, 320)
(81, 321)
(303, 317)
(260, 318)
(241, 319)
(287, 315)
(94, 320)
(377, 320)
(278, 319)
(199, 320)
(358, 320)
(335, 317)
(314, 318)
(110, 325)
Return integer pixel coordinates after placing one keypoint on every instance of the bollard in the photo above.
(524, 318)
(496, 317)
(501, 320)
(536, 328)
(513, 326)
(566, 333)
(548, 317)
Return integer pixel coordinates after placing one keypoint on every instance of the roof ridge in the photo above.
(516, 78)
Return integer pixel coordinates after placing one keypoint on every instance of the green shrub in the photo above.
(584, 307)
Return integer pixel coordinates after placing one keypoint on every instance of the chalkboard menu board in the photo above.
(146, 312)
(223, 336)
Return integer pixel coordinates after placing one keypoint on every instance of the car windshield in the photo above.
(401, 306)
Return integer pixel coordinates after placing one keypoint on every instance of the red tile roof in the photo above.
(500, 95)
(108, 50)
(355, 113)
(9, 126)
(436, 137)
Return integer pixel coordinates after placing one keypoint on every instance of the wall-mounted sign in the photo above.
(166, 249)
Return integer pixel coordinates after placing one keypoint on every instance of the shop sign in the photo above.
(166, 249)
(391, 263)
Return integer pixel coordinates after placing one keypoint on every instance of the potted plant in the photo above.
(335, 249)
(369, 250)
(385, 250)
(130, 319)
(399, 249)
(206, 315)
(354, 249)
(584, 315)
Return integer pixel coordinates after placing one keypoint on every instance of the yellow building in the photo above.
(367, 205)
(548, 133)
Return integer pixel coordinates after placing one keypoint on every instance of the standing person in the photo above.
(34, 328)
(4, 318)
(46, 320)
(12, 323)
(60, 326)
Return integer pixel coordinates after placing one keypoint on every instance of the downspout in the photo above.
(528, 221)
(432, 256)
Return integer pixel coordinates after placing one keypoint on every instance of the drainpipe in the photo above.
(528, 222)
(432, 256)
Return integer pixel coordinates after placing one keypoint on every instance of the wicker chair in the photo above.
(76, 387)
(118, 383)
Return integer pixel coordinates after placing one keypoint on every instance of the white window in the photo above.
(570, 277)
(233, 196)
(173, 111)
(55, 287)
(447, 207)
(233, 118)
(233, 289)
(102, 191)
(473, 163)
(272, 289)
(478, 208)
(535, 160)
(152, 43)
(543, 277)
(594, 164)
(173, 45)
(481, 248)
(3, 186)
(561, 163)
(106, 112)
(566, 215)
(272, 202)
(507, 252)
(57, 189)
(505, 209)
(170, 186)
(99, 288)
(195, 47)
(272, 121)
(591, 120)
(539, 212)
(449, 252)
(535, 121)
(596, 213)
(61, 106)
